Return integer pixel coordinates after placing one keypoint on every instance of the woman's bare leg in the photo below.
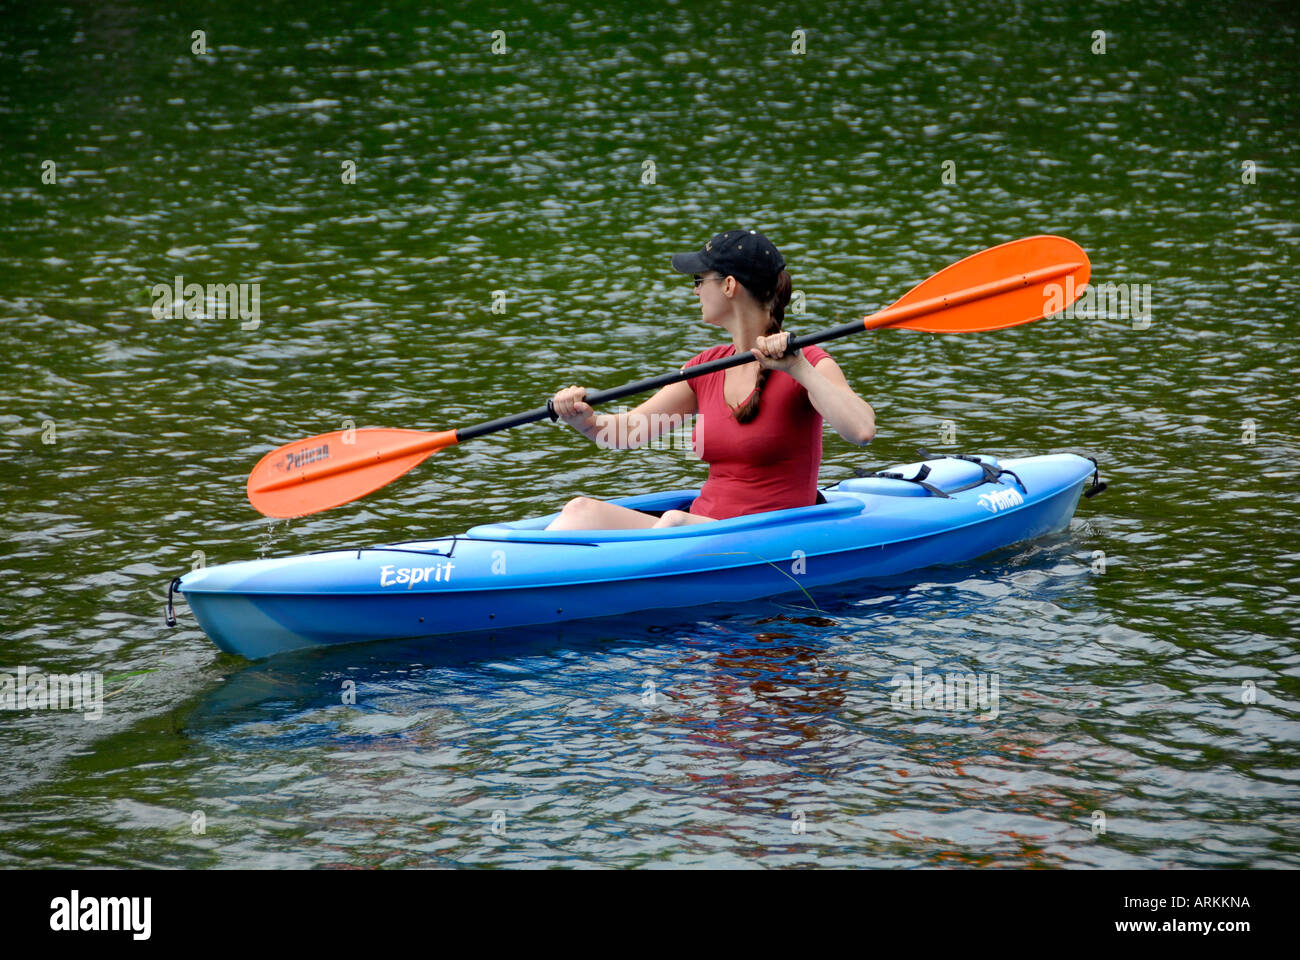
(680, 518)
(584, 513)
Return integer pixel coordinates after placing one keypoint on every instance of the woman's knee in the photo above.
(579, 506)
(673, 518)
(587, 513)
(574, 515)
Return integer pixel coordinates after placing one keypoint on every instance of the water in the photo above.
(1121, 691)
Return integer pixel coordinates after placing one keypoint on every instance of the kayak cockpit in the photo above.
(846, 499)
(534, 528)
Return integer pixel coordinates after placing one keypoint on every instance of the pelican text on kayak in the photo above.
(1000, 500)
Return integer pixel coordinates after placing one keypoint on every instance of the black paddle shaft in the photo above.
(641, 386)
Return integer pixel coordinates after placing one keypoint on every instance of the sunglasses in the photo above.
(699, 280)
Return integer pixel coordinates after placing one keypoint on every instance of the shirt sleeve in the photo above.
(699, 358)
(815, 354)
(710, 354)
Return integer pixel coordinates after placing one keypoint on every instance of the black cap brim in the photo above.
(690, 262)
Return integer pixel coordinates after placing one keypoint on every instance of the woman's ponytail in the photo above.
(777, 300)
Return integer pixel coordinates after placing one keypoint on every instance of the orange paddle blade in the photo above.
(320, 472)
(1003, 286)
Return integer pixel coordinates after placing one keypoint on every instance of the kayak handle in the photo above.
(169, 611)
(1097, 485)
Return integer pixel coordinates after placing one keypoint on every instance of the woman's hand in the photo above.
(770, 352)
(570, 408)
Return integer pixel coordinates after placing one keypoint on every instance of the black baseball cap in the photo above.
(744, 254)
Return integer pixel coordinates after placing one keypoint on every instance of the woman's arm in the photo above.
(832, 396)
(665, 411)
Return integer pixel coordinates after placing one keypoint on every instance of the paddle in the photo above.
(1000, 287)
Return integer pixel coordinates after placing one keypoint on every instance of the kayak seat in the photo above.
(947, 475)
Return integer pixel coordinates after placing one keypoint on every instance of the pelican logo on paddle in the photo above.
(292, 461)
(1001, 500)
(396, 576)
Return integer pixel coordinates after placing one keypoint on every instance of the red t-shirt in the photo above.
(769, 463)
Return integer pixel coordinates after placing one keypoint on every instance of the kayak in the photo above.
(942, 510)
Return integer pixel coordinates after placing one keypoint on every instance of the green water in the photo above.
(903, 138)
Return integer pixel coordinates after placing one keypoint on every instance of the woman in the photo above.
(760, 425)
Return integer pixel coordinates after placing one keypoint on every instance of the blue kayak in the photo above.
(501, 575)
